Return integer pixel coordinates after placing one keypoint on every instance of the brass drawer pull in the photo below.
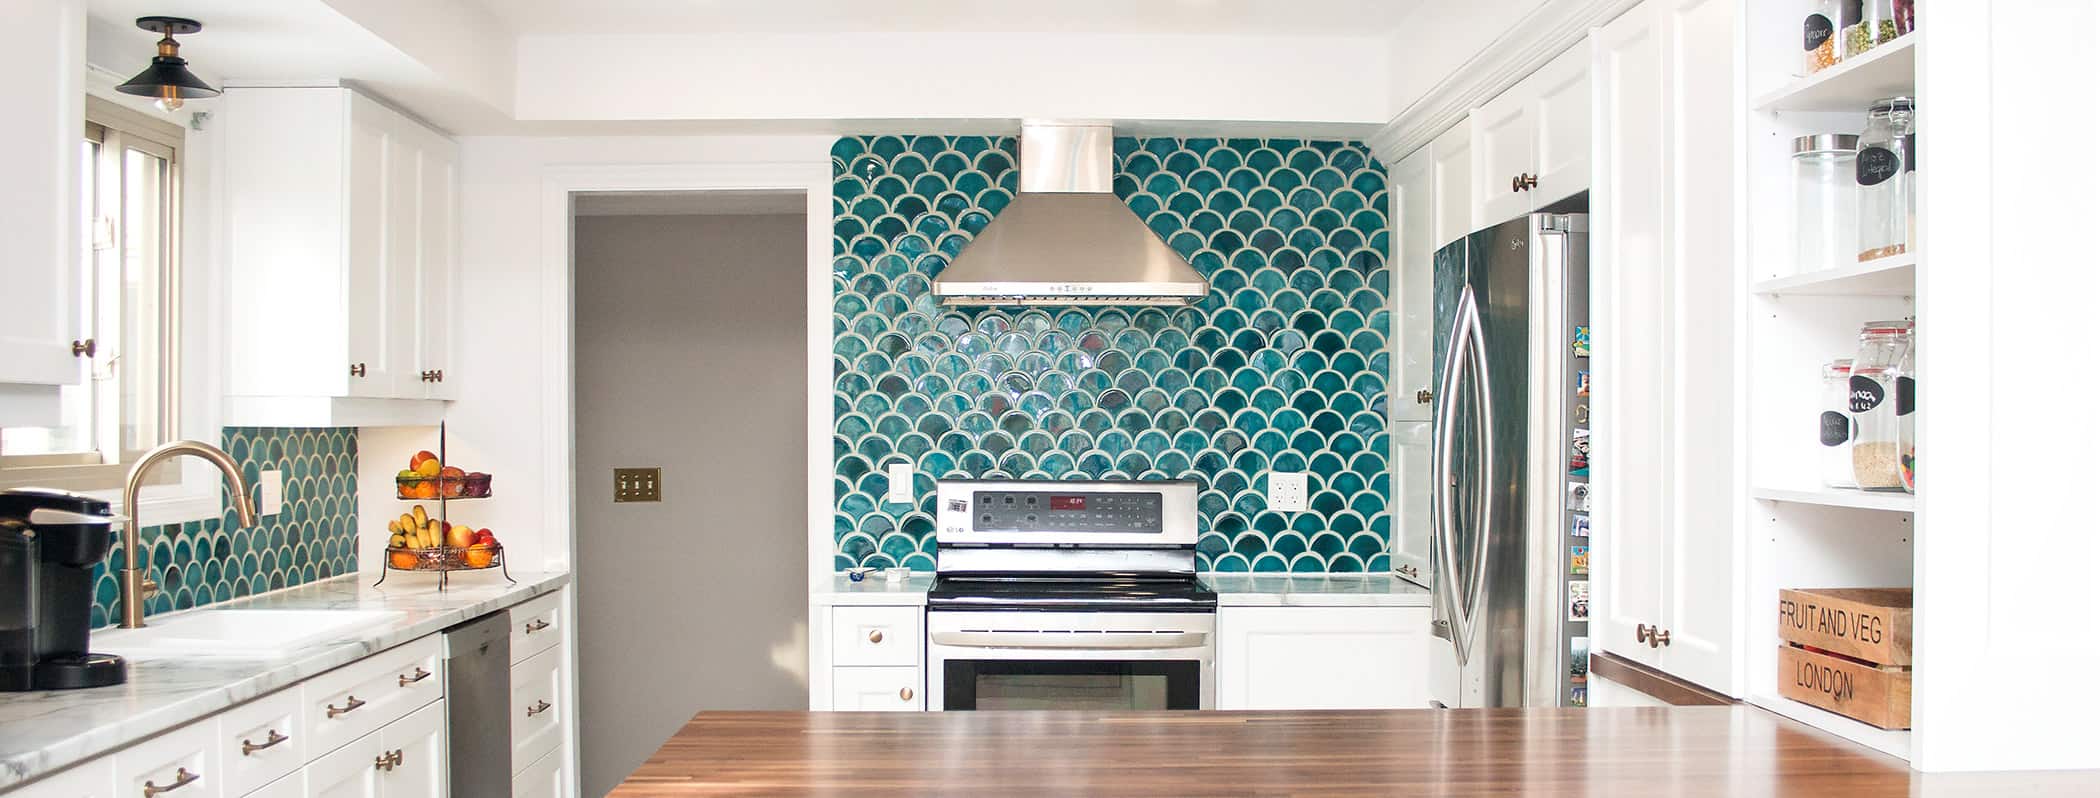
(905, 694)
(183, 778)
(536, 626)
(538, 708)
(418, 676)
(249, 748)
(875, 636)
(347, 707)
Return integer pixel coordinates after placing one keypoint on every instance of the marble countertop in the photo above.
(1234, 590)
(45, 731)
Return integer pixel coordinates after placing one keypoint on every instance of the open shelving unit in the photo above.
(1802, 533)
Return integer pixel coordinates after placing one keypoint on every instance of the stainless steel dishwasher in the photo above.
(477, 706)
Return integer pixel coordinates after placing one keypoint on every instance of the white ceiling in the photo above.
(1203, 17)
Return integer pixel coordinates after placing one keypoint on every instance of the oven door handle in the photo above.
(1071, 640)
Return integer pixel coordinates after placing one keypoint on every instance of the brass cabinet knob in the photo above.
(875, 636)
(1423, 397)
(357, 369)
(1654, 636)
(905, 694)
(1524, 182)
(440, 374)
(84, 348)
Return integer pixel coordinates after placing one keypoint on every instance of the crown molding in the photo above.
(1539, 37)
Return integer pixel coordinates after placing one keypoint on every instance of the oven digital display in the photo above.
(1068, 502)
(1042, 511)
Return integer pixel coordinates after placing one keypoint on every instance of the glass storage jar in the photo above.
(1864, 25)
(1826, 208)
(1871, 398)
(1834, 426)
(1880, 172)
(1819, 41)
(1907, 414)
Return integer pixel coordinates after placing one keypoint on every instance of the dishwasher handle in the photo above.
(1071, 640)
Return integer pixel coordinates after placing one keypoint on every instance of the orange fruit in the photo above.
(427, 489)
(403, 560)
(480, 556)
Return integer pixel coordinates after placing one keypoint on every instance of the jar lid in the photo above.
(1883, 106)
(1899, 326)
(1825, 142)
(1841, 365)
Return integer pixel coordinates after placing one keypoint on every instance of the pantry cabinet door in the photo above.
(1502, 151)
(1452, 169)
(1630, 477)
(1561, 110)
(1699, 563)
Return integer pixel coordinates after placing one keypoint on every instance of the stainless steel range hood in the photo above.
(1066, 239)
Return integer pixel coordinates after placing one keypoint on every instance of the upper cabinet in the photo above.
(1531, 144)
(342, 242)
(40, 209)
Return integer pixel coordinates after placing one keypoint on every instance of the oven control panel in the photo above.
(1066, 511)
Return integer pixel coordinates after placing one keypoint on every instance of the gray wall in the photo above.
(690, 342)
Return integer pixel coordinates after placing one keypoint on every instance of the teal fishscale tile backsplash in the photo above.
(204, 562)
(1282, 367)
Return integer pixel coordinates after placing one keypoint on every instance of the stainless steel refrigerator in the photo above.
(1509, 465)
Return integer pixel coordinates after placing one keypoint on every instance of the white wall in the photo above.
(514, 384)
(952, 76)
(1439, 38)
(689, 345)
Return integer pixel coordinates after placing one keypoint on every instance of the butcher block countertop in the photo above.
(1618, 752)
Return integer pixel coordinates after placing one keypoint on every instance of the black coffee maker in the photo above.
(50, 542)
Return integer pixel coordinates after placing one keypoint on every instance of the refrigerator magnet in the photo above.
(1582, 414)
(1578, 561)
(1579, 526)
(1579, 454)
(1582, 384)
(1579, 601)
(1578, 659)
(1580, 697)
(1582, 341)
(1579, 497)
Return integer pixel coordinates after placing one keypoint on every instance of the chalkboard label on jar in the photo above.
(1850, 12)
(1906, 395)
(1815, 31)
(1837, 428)
(1876, 165)
(1866, 394)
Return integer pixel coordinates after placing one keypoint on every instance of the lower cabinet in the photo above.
(877, 690)
(185, 761)
(403, 759)
(1323, 657)
(542, 779)
(536, 711)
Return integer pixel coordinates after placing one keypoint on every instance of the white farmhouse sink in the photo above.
(244, 634)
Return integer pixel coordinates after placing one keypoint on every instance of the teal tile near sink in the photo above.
(1283, 366)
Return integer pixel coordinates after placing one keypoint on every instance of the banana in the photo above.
(408, 522)
(421, 516)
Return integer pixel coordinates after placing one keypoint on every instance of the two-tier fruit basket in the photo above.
(419, 541)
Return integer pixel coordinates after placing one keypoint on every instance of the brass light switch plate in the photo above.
(638, 484)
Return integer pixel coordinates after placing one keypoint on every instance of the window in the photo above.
(125, 401)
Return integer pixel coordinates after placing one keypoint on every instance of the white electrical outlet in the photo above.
(900, 482)
(269, 490)
(1286, 490)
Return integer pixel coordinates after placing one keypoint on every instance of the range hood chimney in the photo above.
(1066, 239)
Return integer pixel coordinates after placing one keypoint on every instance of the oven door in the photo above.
(1070, 660)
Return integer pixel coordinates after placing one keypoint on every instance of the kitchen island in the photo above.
(1676, 751)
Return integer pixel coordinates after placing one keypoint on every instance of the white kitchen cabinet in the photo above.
(1531, 143)
(341, 240)
(536, 707)
(1323, 657)
(542, 779)
(352, 701)
(351, 771)
(94, 778)
(1664, 530)
(1452, 167)
(403, 759)
(877, 690)
(535, 626)
(1414, 193)
(262, 740)
(40, 207)
(292, 785)
(185, 760)
(877, 636)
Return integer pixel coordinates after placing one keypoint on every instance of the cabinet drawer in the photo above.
(877, 690)
(536, 711)
(876, 635)
(185, 760)
(291, 786)
(356, 699)
(262, 741)
(540, 779)
(90, 779)
(535, 626)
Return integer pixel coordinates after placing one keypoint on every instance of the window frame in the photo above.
(117, 129)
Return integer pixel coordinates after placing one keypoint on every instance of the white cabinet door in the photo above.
(877, 690)
(415, 745)
(1414, 196)
(367, 252)
(1453, 154)
(536, 706)
(185, 760)
(1628, 306)
(40, 197)
(263, 740)
(542, 779)
(91, 779)
(1700, 577)
(437, 264)
(1323, 657)
(392, 372)
(290, 786)
(1560, 109)
(1502, 152)
(352, 771)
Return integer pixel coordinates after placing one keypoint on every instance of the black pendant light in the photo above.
(168, 79)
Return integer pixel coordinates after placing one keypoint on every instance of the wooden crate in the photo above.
(1869, 623)
(1874, 696)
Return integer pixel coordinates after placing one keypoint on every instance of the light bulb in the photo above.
(170, 98)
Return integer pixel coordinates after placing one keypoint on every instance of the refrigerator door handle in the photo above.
(1443, 474)
(1484, 418)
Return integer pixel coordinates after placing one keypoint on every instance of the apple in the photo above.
(416, 462)
(484, 536)
(459, 537)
